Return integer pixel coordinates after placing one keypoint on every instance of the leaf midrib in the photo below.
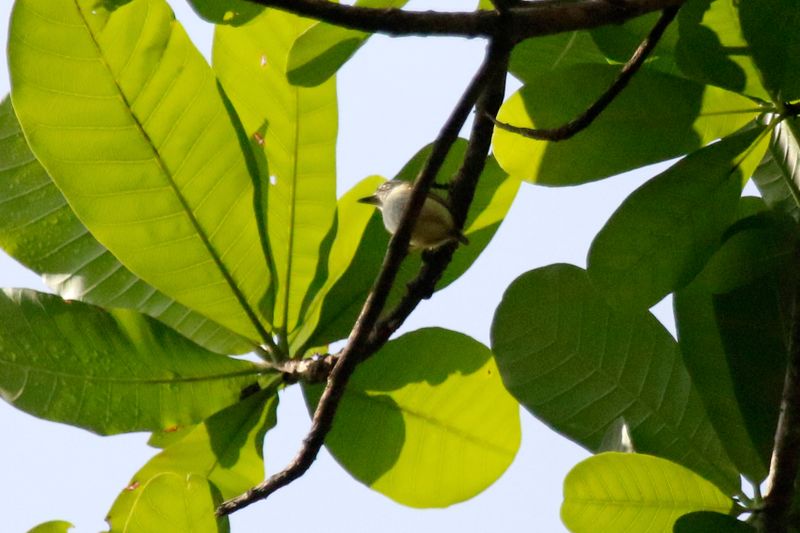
(379, 398)
(123, 380)
(251, 315)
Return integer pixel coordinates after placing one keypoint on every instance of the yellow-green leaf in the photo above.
(226, 450)
(174, 503)
(54, 526)
(297, 130)
(432, 412)
(632, 132)
(323, 48)
(623, 492)
(127, 118)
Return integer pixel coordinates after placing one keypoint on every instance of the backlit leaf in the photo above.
(434, 415)
(296, 130)
(630, 133)
(323, 48)
(40, 230)
(226, 450)
(174, 503)
(127, 118)
(624, 492)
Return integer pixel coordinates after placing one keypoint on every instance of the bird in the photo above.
(434, 226)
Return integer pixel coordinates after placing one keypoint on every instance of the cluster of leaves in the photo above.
(579, 348)
(183, 213)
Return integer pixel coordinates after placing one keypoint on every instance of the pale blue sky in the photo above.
(394, 96)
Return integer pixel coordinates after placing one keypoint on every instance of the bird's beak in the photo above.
(371, 200)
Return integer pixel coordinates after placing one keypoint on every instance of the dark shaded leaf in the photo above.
(709, 521)
(772, 30)
(665, 231)
(231, 12)
(579, 365)
(732, 327)
(108, 371)
(711, 48)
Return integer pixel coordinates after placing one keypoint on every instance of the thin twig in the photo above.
(598, 106)
(528, 19)
(356, 348)
(786, 453)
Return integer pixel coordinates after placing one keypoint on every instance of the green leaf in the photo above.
(707, 521)
(732, 333)
(631, 133)
(54, 526)
(40, 230)
(174, 503)
(539, 57)
(772, 31)
(297, 129)
(578, 364)
(778, 175)
(351, 223)
(109, 372)
(665, 231)
(622, 492)
(619, 42)
(321, 50)
(342, 302)
(226, 450)
(711, 48)
(433, 413)
(127, 118)
(232, 12)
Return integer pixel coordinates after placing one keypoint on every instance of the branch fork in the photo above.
(504, 27)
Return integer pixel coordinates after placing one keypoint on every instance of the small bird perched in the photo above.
(434, 226)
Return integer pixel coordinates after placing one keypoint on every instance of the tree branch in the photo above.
(486, 88)
(786, 453)
(359, 344)
(527, 19)
(315, 369)
(630, 68)
(462, 190)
